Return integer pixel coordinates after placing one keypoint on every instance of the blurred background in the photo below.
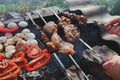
(27, 5)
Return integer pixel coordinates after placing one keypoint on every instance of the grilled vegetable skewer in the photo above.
(46, 41)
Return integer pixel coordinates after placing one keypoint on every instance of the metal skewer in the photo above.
(69, 54)
(88, 46)
(55, 55)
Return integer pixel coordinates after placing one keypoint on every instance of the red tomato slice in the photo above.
(21, 47)
(34, 51)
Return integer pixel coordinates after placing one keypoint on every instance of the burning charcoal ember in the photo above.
(34, 75)
(75, 73)
(92, 61)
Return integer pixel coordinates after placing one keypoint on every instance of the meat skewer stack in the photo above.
(47, 42)
(53, 31)
(67, 23)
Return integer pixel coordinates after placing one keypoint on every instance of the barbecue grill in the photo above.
(92, 33)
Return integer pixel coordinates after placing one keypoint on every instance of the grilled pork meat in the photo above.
(71, 32)
(62, 46)
(50, 27)
(76, 19)
(45, 39)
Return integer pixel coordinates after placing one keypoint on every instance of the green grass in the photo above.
(113, 6)
(27, 5)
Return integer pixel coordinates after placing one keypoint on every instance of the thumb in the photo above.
(106, 65)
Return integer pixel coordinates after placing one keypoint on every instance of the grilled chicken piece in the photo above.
(71, 32)
(50, 27)
(62, 46)
(77, 19)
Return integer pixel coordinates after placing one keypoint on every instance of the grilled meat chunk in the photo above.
(71, 32)
(50, 27)
(62, 46)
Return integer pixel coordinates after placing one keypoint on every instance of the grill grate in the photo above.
(89, 33)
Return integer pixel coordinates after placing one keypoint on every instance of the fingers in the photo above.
(113, 27)
(118, 33)
(116, 30)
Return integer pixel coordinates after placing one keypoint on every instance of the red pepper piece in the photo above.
(11, 72)
(6, 30)
(19, 59)
(34, 51)
(1, 57)
(38, 62)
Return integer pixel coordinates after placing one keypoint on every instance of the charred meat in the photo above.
(62, 46)
(76, 19)
(71, 32)
(50, 27)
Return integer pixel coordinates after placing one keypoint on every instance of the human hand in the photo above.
(113, 27)
(112, 67)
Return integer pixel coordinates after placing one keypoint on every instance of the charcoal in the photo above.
(75, 73)
(92, 61)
